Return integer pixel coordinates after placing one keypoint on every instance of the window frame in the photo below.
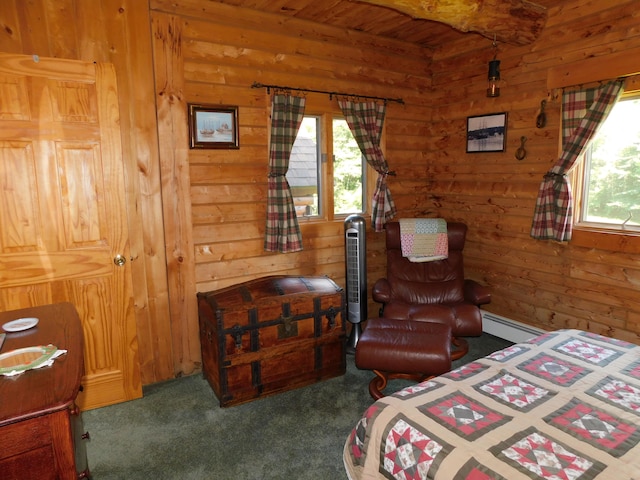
(326, 109)
(366, 173)
(319, 172)
(600, 235)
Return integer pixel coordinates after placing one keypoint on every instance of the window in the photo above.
(609, 195)
(326, 170)
(304, 172)
(348, 170)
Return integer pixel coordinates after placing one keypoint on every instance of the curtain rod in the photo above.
(268, 87)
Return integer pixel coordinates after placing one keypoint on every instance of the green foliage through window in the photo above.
(612, 169)
(305, 172)
(347, 170)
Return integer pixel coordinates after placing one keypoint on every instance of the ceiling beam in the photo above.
(516, 22)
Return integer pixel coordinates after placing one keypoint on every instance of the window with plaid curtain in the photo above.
(282, 232)
(583, 111)
(365, 120)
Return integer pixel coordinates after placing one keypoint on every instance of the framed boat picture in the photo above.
(213, 126)
(486, 133)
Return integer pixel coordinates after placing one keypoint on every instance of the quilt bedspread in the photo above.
(561, 406)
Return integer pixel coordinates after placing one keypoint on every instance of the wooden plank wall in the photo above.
(543, 283)
(221, 51)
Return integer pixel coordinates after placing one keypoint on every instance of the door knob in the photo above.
(119, 260)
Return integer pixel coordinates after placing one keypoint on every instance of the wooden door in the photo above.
(62, 210)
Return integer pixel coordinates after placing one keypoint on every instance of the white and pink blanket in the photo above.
(424, 239)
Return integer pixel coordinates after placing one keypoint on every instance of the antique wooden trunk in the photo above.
(271, 335)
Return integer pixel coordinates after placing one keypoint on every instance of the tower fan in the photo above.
(356, 274)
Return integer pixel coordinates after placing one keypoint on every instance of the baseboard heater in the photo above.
(508, 329)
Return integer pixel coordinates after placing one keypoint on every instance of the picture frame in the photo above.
(487, 133)
(213, 126)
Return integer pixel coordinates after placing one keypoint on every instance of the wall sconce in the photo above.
(493, 87)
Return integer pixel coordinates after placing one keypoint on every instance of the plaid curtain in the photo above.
(365, 120)
(282, 231)
(583, 111)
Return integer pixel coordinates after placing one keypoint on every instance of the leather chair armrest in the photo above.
(476, 293)
(381, 291)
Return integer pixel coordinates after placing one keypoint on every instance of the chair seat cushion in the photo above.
(464, 319)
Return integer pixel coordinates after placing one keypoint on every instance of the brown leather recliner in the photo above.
(433, 291)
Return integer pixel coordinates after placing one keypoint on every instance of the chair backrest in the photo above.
(440, 281)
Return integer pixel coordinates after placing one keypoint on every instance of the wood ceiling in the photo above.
(365, 17)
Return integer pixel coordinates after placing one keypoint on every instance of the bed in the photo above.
(564, 405)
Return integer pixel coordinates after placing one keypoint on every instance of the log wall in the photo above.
(589, 283)
(214, 54)
(197, 217)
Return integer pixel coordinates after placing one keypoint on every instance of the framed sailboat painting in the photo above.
(213, 126)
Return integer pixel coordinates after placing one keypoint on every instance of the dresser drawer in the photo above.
(23, 436)
(29, 444)
(37, 463)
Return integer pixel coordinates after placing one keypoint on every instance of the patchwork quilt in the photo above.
(562, 406)
(424, 239)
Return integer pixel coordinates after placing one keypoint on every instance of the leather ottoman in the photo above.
(408, 349)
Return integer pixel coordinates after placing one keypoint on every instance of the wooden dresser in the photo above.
(41, 434)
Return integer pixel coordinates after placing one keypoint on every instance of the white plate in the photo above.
(20, 324)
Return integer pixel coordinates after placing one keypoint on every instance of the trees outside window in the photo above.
(348, 170)
(341, 168)
(611, 171)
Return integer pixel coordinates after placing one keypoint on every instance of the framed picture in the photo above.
(487, 133)
(213, 126)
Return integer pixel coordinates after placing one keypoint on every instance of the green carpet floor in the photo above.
(178, 430)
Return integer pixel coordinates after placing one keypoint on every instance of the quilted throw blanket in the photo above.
(424, 239)
(562, 406)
